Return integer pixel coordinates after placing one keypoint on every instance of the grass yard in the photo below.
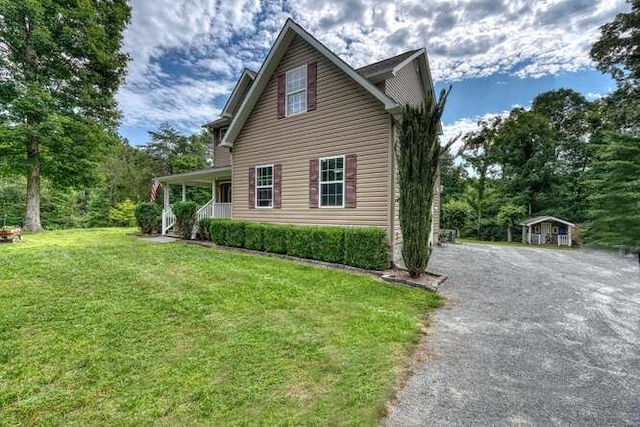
(100, 327)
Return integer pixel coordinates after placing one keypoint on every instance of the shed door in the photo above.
(546, 228)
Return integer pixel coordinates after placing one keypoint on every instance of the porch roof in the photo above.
(203, 177)
(535, 220)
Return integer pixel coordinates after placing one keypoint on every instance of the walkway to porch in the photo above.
(219, 206)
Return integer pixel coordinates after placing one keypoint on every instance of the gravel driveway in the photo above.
(529, 336)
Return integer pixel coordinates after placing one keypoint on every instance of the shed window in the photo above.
(297, 91)
(264, 186)
(332, 182)
(536, 229)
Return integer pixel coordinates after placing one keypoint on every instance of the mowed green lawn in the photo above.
(100, 327)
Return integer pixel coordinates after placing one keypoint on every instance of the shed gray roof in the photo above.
(384, 66)
(538, 219)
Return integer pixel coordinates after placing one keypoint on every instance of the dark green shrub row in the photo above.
(148, 217)
(185, 213)
(356, 246)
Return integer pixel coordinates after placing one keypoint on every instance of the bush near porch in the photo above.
(363, 247)
(100, 327)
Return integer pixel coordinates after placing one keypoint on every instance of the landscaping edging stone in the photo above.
(386, 275)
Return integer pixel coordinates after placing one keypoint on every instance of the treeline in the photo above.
(566, 156)
(120, 180)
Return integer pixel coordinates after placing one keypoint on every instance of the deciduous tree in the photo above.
(60, 67)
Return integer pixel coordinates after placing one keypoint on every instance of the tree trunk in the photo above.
(509, 234)
(32, 218)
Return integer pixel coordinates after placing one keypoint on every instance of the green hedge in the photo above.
(299, 241)
(254, 236)
(275, 238)
(366, 248)
(327, 244)
(356, 246)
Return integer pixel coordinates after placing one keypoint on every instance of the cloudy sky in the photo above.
(497, 54)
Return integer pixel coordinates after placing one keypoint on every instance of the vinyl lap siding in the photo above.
(221, 156)
(348, 120)
(406, 86)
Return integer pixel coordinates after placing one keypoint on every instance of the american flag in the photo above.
(154, 190)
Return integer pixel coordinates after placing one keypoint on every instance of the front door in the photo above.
(546, 232)
(225, 192)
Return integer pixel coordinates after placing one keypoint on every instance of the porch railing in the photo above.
(168, 220)
(563, 240)
(209, 210)
(536, 239)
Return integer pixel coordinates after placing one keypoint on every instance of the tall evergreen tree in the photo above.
(418, 150)
(614, 188)
(60, 67)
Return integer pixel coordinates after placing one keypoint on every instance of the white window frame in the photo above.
(343, 181)
(263, 186)
(224, 129)
(287, 93)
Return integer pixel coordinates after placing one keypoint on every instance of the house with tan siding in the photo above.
(308, 139)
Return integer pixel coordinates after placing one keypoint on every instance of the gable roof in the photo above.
(385, 66)
(539, 219)
(288, 32)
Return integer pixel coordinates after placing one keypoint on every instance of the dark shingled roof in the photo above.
(385, 65)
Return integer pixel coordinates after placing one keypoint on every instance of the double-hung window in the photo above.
(264, 186)
(296, 91)
(332, 182)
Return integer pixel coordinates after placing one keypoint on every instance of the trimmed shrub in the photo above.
(148, 217)
(203, 229)
(356, 246)
(299, 241)
(235, 233)
(327, 244)
(185, 213)
(218, 231)
(366, 247)
(275, 238)
(254, 236)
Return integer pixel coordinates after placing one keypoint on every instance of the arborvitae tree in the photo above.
(418, 151)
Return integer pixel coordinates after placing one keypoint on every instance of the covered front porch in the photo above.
(217, 180)
(547, 230)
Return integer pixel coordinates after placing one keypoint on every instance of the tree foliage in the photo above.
(61, 66)
(456, 213)
(618, 50)
(508, 216)
(614, 193)
(418, 151)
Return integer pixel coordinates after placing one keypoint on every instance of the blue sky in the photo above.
(497, 54)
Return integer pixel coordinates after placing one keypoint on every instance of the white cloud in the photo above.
(463, 126)
(210, 41)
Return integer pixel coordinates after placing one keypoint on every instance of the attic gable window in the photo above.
(296, 91)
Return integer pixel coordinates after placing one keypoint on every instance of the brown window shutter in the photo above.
(350, 180)
(312, 85)
(282, 82)
(313, 183)
(277, 186)
(252, 188)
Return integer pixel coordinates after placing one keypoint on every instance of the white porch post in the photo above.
(166, 197)
(213, 191)
(529, 233)
(184, 193)
(569, 231)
